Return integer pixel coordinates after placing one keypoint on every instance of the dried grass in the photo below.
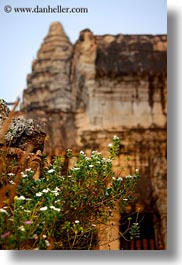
(7, 190)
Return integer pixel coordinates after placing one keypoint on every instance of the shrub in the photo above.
(60, 211)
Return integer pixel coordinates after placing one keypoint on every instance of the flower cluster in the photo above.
(63, 211)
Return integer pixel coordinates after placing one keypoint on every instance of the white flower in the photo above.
(47, 243)
(136, 170)
(93, 225)
(96, 153)
(69, 150)
(50, 170)
(44, 236)
(129, 176)
(38, 194)
(21, 198)
(43, 208)
(110, 145)
(56, 191)
(91, 166)
(11, 174)
(120, 178)
(46, 190)
(81, 152)
(3, 211)
(113, 178)
(125, 199)
(21, 228)
(77, 221)
(55, 209)
(76, 168)
(28, 170)
(27, 211)
(35, 236)
(115, 137)
(12, 182)
(24, 175)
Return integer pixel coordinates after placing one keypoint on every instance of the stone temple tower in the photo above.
(48, 84)
(48, 93)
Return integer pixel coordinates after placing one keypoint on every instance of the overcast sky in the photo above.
(22, 33)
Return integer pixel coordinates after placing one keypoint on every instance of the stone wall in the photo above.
(104, 86)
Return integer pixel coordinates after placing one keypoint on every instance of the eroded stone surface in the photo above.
(26, 134)
(4, 111)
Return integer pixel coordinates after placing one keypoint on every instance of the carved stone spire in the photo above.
(48, 84)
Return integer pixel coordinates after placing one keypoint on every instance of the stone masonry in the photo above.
(104, 86)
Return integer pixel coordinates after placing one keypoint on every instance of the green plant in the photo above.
(64, 211)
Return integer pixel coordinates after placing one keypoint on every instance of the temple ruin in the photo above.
(103, 86)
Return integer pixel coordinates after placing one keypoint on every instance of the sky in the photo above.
(22, 33)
